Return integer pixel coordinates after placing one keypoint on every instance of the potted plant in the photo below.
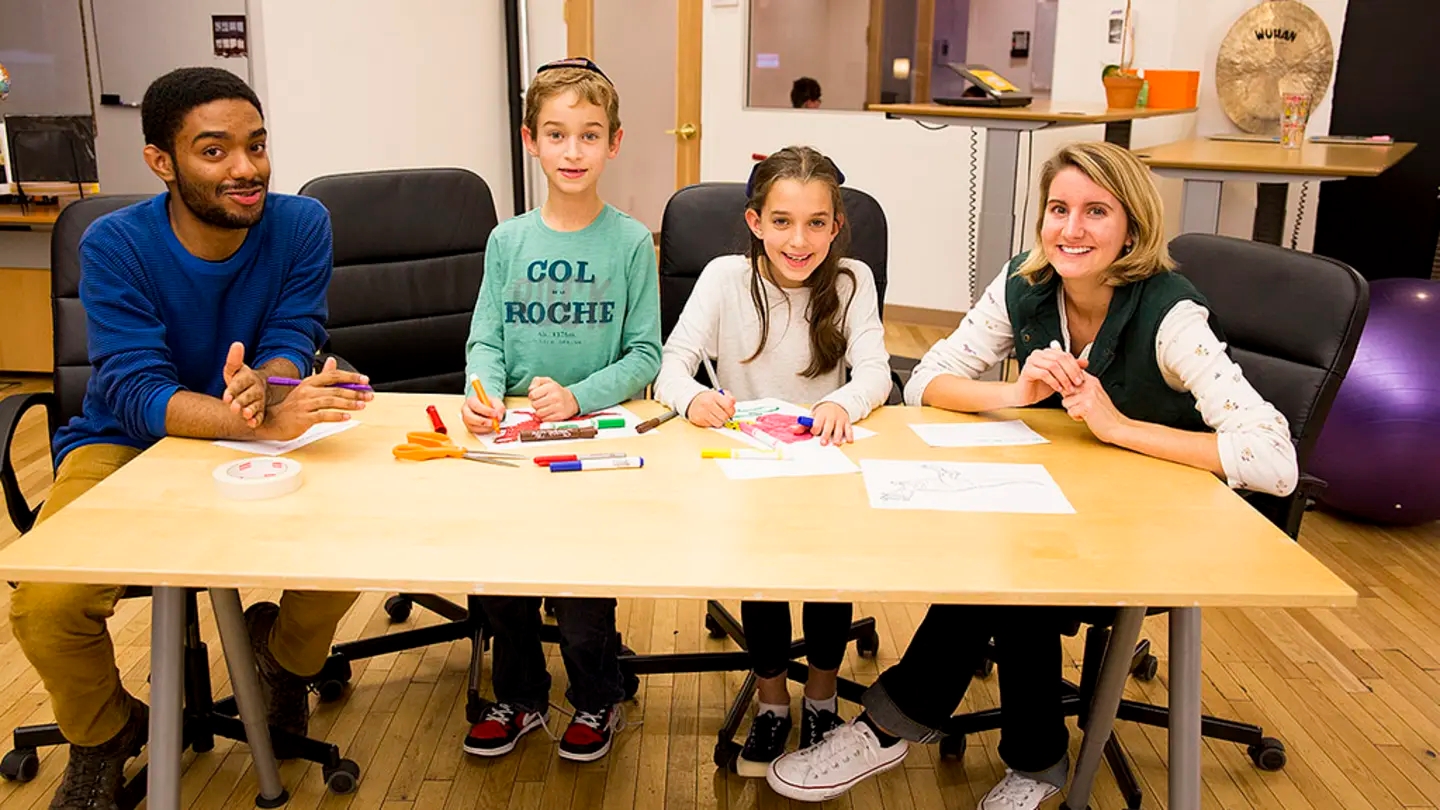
(1122, 83)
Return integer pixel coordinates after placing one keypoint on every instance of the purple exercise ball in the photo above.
(1380, 448)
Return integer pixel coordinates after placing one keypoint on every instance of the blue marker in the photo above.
(806, 421)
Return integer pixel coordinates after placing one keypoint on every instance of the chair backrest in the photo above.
(708, 220)
(1292, 321)
(409, 257)
(72, 353)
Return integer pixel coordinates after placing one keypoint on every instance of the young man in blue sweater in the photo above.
(192, 299)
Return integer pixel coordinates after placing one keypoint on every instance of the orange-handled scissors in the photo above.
(426, 445)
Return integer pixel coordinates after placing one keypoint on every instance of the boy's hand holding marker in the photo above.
(480, 413)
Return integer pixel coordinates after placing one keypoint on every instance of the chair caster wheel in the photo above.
(20, 765)
(952, 748)
(1146, 668)
(985, 669)
(1268, 755)
(398, 608)
(726, 753)
(713, 627)
(330, 683)
(868, 645)
(343, 778)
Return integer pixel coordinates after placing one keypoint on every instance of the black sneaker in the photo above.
(95, 774)
(286, 695)
(765, 743)
(500, 729)
(814, 725)
(590, 734)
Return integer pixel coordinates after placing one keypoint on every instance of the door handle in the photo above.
(685, 131)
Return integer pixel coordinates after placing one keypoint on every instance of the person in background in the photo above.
(805, 94)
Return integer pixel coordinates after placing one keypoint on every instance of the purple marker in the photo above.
(293, 381)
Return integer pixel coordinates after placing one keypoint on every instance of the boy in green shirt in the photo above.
(568, 315)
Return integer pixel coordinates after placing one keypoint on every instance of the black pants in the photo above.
(917, 696)
(768, 634)
(588, 645)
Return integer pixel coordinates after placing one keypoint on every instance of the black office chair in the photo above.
(700, 223)
(1292, 321)
(205, 718)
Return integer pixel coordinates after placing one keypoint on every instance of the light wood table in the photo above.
(1003, 125)
(1205, 166)
(1145, 532)
(25, 322)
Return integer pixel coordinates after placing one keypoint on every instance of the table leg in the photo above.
(1118, 133)
(1270, 199)
(1200, 206)
(1109, 688)
(240, 659)
(167, 697)
(1185, 709)
(994, 242)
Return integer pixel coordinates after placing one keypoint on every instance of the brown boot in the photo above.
(95, 774)
(286, 695)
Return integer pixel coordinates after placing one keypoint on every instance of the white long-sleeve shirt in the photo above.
(720, 320)
(1256, 452)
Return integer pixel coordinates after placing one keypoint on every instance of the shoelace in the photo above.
(85, 787)
(841, 747)
(769, 724)
(597, 720)
(1016, 789)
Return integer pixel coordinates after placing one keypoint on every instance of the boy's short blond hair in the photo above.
(588, 86)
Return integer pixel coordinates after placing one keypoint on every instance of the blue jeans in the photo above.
(589, 646)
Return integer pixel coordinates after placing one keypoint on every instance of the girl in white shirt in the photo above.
(790, 321)
(1106, 331)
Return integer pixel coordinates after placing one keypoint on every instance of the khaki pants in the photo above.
(61, 627)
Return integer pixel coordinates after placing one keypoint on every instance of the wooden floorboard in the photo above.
(1354, 694)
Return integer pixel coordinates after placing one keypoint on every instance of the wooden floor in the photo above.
(1354, 694)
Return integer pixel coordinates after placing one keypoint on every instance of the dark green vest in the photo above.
(1123, 356)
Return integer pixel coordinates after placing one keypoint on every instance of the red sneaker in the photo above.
(500, 729)
(590, 733)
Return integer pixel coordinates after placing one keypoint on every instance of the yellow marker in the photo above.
(739, 453)
(480, 394)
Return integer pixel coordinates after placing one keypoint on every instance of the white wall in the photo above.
(904, 167)
(991, 24)
(641, 180)
(141, 40)
(372, 84)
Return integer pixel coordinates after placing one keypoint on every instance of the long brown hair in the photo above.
(824, 313)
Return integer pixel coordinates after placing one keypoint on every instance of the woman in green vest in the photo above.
(1101, 328)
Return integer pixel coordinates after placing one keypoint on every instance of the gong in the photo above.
(1280, 46)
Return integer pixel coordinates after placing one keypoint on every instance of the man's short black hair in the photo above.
(805, 89)
(172, 96)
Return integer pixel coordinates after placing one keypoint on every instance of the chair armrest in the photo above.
(1309, 486)
(340, 363)
(12, 410)
(897, 390)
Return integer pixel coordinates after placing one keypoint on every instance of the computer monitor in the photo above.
(46, 150)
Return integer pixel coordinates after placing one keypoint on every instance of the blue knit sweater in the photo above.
(161, 320)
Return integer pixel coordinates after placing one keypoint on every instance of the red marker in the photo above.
(435, 419)
(546, 461)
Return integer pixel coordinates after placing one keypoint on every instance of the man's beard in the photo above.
(209, 210)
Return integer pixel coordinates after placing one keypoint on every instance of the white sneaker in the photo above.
(1017, 792)
(847, 756)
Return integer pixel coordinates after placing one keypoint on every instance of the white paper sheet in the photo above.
(979, 434)
(524, 418)
(802, 460)
(270, 448)
(772, 423)
(963, 487)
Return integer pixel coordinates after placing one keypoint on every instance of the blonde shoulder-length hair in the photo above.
(1123, 175)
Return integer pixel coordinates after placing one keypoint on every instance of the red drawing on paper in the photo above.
(778, 426)
(529, 421)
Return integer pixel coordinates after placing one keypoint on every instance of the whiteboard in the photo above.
(42, 48)
(141, 40)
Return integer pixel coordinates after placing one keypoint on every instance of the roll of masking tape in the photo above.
(254, 479)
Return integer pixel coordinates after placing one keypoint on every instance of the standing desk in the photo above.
(1145, 532)
(1003, 126)
(1205, 165)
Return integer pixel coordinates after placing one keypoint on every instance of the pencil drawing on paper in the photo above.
(942, 480)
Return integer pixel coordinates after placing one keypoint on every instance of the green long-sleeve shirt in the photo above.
(581, 307)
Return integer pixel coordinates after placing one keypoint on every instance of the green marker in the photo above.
(610, 422)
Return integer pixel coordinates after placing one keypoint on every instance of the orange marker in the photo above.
(480, 393)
